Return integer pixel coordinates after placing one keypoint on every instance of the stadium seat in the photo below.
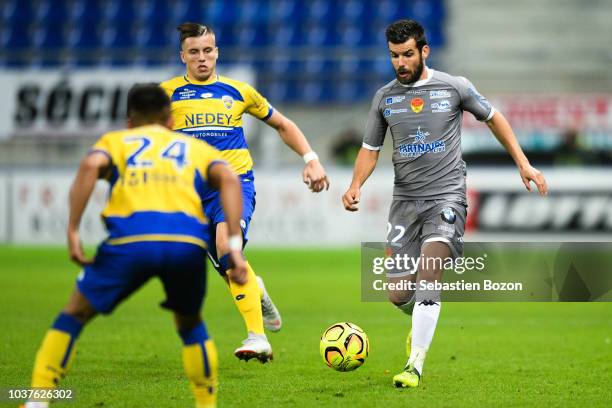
(51, 13)
(252, 12)
(320, 35)
(281, 65)
(187, 10)
(284, 11)
(275, 91)
(285, 35)
(16, 40)
(225, 36)
(354, 11)
(325, 12)
(119, 11)
(50, 42)
(118, 36)
(85, 12)
(17, 11)
(153, 11)
(389, 10)
(348, 91)
(251, 35)
(316, 65)
(352, 35)
(220, 12)
(17, 37)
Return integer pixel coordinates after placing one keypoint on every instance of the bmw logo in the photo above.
(448, 215)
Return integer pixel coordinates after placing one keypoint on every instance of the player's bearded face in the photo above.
(408, 61)
(200, 55)
(407, 74)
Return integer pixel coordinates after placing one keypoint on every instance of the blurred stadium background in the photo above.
(66, 66)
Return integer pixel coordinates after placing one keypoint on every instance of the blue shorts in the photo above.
(214, 212)
(119, 270)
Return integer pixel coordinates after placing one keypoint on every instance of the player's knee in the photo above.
(430, 275)
(79, 307)
(186, 322)
(399, 298)
(80, 313)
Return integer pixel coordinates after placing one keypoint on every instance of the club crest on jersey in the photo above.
(448, 215)
(416, 104)
(228, 101)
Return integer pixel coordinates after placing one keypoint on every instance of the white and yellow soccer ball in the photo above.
(344, 346)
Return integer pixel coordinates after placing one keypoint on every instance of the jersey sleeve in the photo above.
(169, 89)
(473, 102)
(376, 127)
(103, 145)
(256, 104)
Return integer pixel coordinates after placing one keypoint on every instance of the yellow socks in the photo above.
(56, 352)
(247, 298)
(201, 365)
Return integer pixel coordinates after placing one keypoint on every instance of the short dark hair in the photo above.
(148, 103)
(402, 30)
(193, 30)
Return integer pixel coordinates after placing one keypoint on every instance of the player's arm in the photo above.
(314, 174)
(502, 130)
(364, 166)
(373, 139)
(221, 178)
(92, 167)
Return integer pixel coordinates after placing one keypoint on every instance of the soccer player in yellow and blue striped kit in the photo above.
(157, 227)
(210, 107)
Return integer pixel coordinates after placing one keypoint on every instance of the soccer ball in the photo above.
(344, 346)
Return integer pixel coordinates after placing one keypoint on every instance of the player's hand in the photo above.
(350, 199)
(75, 249)
(314, 176)
(529, 174)
(238, 271)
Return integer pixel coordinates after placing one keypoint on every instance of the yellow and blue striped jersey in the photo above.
(157, 181)
(212, 111)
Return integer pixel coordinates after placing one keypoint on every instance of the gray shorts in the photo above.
(414, 223)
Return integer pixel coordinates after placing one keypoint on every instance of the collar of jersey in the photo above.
(421, 82)
(209, 81)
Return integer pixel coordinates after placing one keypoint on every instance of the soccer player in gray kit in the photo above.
(423, 109)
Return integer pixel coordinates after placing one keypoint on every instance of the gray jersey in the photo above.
(425, 123)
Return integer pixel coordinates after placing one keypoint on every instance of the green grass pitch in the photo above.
(483, 354)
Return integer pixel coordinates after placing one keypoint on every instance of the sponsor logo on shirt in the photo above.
(416, 104)
(439, 94)
(420, 136)
(446, 229)
(448, 215)
(228, 101)
(388, 112)
(415, 91)
(420, 146)
(187, 94)
(394, 99)
(442, 106)
(206, 95)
